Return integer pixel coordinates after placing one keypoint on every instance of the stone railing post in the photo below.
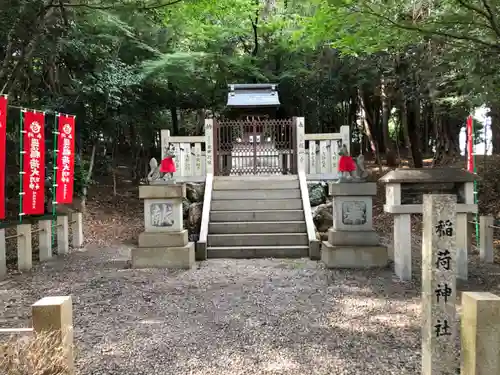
(24, 248)
(486, 239)
(45, 239)
(62, 235)
(480, 334)
(301, 144)
(54, 316)
(77, 229)
(209, 146)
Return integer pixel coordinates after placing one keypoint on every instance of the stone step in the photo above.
(257, 227)
(245, 252)
(258, 239)
(255, 184)
(256, 205)
(237, 216)
(256, 194)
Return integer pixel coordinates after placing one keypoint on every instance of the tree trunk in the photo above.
(495, 127)
(413, 113)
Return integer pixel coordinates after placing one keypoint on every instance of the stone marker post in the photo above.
(480, 334)
(439, 274)
(164, 243)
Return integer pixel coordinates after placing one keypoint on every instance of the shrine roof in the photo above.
(428, 175)
(253, 95)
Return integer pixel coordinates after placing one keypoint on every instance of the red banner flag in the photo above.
(3, 152)
(65, 159)
(34, 163)
(470, 145)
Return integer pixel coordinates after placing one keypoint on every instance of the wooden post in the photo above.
(486, 239)
(54, 315)
(480, 334)
(439, 274)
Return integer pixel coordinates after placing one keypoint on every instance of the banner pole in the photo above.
(21, 163)
(476, 200)
(54, 176)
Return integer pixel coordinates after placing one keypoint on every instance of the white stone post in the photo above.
(301, 144)
(164, 243)
(486, 253)
(345, 134)
(401, 234)
(209, 146)
(24, 247)
(463, 230)
(480, 334)
(439, 274)
(165, 141)
(77, 229)
(45, 239)
(62, 235)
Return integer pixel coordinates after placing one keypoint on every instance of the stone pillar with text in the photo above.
(164, 243)
(352, 242)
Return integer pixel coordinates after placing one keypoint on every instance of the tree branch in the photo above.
(424, 31)
(113, 6)
(491, 17)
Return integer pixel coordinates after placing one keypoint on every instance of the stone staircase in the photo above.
(257, 217)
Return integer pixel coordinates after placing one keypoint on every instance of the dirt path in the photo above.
(226, 316)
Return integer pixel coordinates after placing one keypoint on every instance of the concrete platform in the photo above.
(353, 256)
(164, 257)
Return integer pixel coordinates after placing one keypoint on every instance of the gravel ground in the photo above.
(226, 316)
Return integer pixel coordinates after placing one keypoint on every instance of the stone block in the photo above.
(163, 215)
(315, 250)
(350, 238)
(353, 213)
(353, 256)
(352, 188)
(480, 333)
(159, 191)
(54, 315)
(162, 239)
(164, 257)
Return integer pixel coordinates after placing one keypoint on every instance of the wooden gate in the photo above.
(254, 147)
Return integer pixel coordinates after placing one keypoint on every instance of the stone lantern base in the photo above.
(164, 243)
(352, 242)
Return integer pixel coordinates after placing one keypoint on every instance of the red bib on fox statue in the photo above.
(167, 165)
(346, 162)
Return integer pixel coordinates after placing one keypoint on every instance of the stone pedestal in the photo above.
(352, 242)
(164, 243)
